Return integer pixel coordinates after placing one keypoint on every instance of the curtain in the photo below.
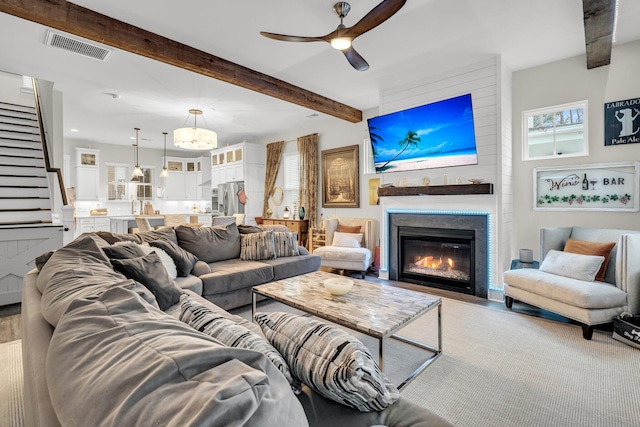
(274, 153)
(308, 152)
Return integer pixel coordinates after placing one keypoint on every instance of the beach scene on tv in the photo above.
(436, 135)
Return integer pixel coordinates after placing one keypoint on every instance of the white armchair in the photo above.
(587, 302)
(348, 248)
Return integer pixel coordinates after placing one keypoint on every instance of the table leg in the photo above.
(381, 353)
(254, 300)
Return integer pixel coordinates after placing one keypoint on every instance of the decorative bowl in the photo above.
(338, 286)
(476, 181)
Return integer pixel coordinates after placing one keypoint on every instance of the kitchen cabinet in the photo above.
(87, 174)
(242, 162)
(92, 224)
(185, 179)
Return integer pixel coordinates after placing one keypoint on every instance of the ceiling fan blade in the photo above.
(355, 59)
(375, 17)
(286, 38)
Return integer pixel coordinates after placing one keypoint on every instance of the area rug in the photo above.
(11, 384)
(502, 368)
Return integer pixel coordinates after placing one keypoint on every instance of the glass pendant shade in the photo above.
(195, 138)
(137, 170)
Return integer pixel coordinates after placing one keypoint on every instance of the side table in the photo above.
(516, 264)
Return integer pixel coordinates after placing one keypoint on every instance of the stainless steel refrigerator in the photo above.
(228, 200)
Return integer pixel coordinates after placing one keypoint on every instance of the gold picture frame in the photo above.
(341, 177)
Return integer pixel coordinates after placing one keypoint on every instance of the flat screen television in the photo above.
(436, 135)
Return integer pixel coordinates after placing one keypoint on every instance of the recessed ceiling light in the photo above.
(311, 116)
(114, 95)
(73, 130)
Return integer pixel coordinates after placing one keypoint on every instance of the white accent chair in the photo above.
(587, 302)
(347, 257)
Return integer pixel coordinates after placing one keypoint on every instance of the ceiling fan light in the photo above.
(341, 43)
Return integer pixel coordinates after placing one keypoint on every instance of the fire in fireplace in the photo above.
(442, 258)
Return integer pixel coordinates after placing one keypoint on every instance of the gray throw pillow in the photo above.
(286, 244)
(149, 271)
(574, 266)
(257, 246)
(184, 260)
(329, 360)
(230, 333)
(123, 251)
(167, 233)
(210, 244)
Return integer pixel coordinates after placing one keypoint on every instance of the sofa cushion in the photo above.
(184, 260)
(117, 361)
(575, 266)
(235, 274)
(167, 233)
(191, 282)
(293, 266)
(329, 360)
(149, 271)
(77, 270)
(144, 248)
(126, 251)
(228, 332)
(286, 244)
(257, 246)
(574, 292)
(592, 248)
(210, 244)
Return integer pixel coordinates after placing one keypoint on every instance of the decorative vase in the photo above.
(301, 212)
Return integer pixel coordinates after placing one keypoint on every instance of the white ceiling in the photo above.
(425, 37)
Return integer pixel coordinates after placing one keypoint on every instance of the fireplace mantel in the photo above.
(436, 190)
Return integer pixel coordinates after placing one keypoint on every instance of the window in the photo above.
(558, 131)
(291, 181)
(144, 187)
(117, 179)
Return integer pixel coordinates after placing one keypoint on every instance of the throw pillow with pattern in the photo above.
(329, 360)
(257, 246)
(230, 333)
(286, 244)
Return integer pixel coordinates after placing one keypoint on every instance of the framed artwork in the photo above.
(340, 178)
(595, 187)
(374, 184)
(622, 122)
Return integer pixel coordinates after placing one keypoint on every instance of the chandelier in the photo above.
(195, 138)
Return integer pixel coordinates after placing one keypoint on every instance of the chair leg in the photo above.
(587, 332)
(364, 273)
(508, 301)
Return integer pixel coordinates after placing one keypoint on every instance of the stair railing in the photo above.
(45, 151)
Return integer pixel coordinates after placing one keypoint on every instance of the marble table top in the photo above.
(371, 308)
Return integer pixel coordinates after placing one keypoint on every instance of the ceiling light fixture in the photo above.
(137, 170)
(165, 171)
(195, 138)
(341, 43)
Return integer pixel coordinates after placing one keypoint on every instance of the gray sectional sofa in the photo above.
(98, 350)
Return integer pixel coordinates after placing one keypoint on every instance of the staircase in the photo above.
(26, 227)
(24, 190)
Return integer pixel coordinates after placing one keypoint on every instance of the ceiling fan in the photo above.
(342, 37)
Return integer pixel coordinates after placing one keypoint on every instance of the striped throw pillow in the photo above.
(286, 243)
(231, 334)
(257, 246)
(329, 360)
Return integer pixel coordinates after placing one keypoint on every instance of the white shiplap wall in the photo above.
(489, 89)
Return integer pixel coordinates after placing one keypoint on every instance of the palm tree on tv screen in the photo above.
(410, 139)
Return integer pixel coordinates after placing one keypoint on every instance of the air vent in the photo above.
(77, 45)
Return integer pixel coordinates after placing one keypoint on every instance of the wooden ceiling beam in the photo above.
(77, 20)
(599, 17)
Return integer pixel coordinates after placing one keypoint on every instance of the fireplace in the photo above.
(442, 258)
(421, 243)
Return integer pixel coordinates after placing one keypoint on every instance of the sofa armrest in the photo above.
(302, 250)
(628, 269)
(553, 238)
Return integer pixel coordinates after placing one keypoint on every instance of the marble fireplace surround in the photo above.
(478, 221)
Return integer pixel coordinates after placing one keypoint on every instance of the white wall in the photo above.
(559, 83)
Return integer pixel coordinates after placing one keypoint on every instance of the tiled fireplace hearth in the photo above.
(456, 248)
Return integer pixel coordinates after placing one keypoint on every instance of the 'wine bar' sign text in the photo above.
(611, 186)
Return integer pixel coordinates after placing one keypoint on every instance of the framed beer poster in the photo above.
(597, 187)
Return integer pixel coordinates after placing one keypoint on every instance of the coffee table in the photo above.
(376, 310)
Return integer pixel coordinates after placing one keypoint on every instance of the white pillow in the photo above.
(575, 266)
(347, 240)
(167, 261)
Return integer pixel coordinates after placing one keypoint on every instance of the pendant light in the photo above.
(165, 171)
(137, 170)
(195, 138)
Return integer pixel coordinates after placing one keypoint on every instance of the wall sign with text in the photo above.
(600, 187)
(622, 122)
